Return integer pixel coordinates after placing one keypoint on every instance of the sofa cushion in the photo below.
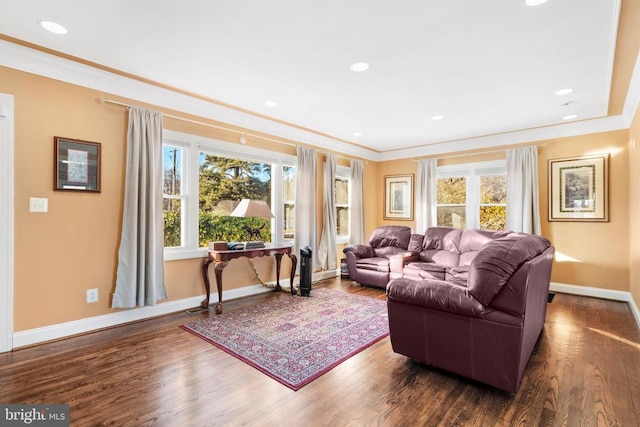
(390, 235)
(424, 270)
(496, 262)
(458, 275)
(415, 243)
(472, 240)
(441, 257)
(375, 264)
(446, 238)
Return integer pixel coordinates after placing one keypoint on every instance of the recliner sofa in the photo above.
(370, 264)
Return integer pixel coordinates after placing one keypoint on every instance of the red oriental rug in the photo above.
(296, 339)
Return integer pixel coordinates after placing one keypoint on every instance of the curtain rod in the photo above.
(104, 100)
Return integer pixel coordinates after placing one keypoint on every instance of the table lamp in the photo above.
(249, 208)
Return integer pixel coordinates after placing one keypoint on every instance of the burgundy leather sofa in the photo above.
(370, 264)
(481, 322)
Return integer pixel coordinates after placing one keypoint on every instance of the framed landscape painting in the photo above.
(578, 189)
(398, 197)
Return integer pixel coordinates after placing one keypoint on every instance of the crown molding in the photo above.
(33, 61)
(47, 65)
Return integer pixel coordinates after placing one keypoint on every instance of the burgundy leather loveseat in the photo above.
(481, 322)
(370, 264)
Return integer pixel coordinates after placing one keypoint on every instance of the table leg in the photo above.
(218, 267)
(205, 277)
(294, 264)
(278, 257)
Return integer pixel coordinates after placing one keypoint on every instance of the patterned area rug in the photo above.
(296, 339)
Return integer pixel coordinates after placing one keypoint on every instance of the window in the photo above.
(223, 182)
(174, 195)
(289, 200)
(472, 195)
(343, 202)
(222, 174)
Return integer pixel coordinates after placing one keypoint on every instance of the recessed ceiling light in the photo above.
(437, 117)
(535, 2)
(566, 91)
(359, 67)
(271, 104)
(357, 134)
(53, 27)
(570, 117)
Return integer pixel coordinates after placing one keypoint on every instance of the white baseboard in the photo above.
(89, 324)
(588, 291)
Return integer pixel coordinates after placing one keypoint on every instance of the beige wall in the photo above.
(591, 253)
(600, 251)
(60, 254)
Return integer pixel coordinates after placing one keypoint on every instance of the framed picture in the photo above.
(398, 197)
(578, 189)
(76, 165)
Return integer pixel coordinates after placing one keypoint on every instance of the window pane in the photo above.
(452, 216)
(342, 191)
(493, 217)
(223, 183)
(172, 224)
(289, 198)
(342, 221)
(172, 161)
(493, 189)
(451, 191)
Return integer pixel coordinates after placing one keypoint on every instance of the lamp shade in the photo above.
(252, 208)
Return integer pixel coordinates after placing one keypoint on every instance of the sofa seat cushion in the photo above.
(436, 295)
(440, 257)
(374, 264)
(458, 274)
(424, 270)
(496, 262)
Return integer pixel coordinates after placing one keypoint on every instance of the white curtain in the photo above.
(327, 255)
(140, 275)
(426, 195)
(306, 218)
(523, 204)
(356, 219)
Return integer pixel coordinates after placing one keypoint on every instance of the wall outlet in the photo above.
(92, 295)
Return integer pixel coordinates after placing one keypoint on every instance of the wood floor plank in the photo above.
(585, 370)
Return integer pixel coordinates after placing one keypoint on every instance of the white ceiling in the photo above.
(488, 67)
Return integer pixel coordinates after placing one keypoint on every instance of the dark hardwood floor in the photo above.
(585, 371)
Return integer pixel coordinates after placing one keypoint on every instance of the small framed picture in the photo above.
(578, 189)
(398, 197)
(76, 165)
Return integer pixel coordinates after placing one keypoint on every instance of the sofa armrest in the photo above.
(360, 251)
(436, 295)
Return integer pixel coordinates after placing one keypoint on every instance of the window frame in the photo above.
(193, 145)
(472, 172)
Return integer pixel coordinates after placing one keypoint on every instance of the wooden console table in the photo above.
(222, 258)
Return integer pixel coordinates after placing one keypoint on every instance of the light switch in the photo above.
(38, 205)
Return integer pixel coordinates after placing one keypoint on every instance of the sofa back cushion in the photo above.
(472, 240)
(443, 238)
(390, 235)
(498, 260)
(415, 243)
